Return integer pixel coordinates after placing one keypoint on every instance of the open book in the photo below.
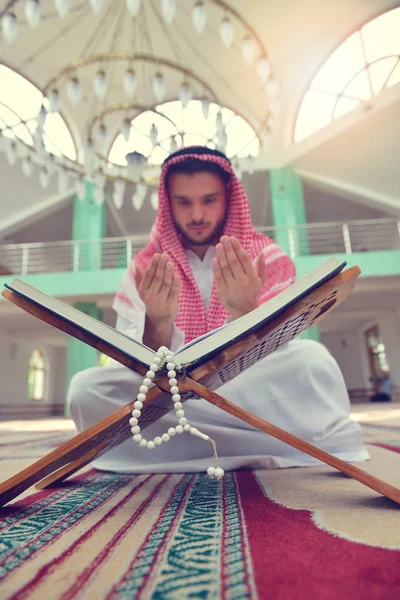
(201, 349)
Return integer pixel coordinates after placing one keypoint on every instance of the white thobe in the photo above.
(298, 388)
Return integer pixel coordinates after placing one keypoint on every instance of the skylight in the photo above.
(364, 65)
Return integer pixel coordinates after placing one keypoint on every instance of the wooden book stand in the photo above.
(114, 429)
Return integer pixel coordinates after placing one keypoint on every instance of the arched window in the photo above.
(37, 375)
(366, 63)
(185, 126)
(20, 103)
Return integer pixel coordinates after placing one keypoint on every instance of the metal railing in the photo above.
(110, 253)
(372, 235)
(57, 257)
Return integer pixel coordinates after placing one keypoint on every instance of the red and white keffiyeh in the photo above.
(193, 319)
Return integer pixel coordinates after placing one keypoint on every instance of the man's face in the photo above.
(198, 205)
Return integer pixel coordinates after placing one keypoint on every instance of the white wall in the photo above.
(348, 352)
(14, 361)
(57, 374)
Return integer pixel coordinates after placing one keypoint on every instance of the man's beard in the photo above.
(209, 240)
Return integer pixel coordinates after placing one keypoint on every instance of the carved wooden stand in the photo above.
(114, 429)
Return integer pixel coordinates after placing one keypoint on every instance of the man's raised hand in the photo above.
(238, 281)
(159, 289)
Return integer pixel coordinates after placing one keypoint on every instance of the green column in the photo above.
(288, 211)
(311, 334)
(80, 356)
(88, 223)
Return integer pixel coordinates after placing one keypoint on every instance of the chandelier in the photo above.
(119, 84)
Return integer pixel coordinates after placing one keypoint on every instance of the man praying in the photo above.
(205, 265)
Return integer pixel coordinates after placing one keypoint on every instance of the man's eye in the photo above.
(210, 200)
(184, 203)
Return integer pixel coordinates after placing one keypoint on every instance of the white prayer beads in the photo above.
(166, 357)
(215, 472)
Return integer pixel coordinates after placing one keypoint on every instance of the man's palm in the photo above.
(238, 281)
(158, 286)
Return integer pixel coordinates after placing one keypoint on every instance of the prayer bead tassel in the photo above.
(165, 357)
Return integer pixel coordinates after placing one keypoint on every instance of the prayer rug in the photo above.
(303, 533)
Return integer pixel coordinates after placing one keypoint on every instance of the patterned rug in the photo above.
(305, 533)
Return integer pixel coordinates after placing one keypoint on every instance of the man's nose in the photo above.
(197, 213)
